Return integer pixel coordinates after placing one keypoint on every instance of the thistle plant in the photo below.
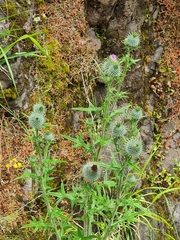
(42, 165)
(39, 108)
(112, 66)
(104, 202)
(116, 190)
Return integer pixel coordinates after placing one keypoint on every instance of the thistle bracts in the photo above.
(112, 66)
(132, 40)
(91, 171)
(136, 113)
(134, 147)
(119, 130)
(36, 120)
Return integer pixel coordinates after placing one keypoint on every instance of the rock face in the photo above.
(21, 67)
(116, 18)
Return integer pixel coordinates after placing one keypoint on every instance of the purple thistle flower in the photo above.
(113, 57)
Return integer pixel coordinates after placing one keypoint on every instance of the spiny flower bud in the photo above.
(131, 178)
(132, 40)
(36, 120)
(91, 171)
(134, 147)
(137, 113)
(112, 66)
(32, 159)
(119, 130)
(49, 136)
(39, 108)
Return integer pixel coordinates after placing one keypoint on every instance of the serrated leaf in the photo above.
(119, 111)
(89, 109)
(27, 174)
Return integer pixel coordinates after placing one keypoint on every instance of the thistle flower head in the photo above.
(113, 57)
(119, 130)
(132, 40)
(91, 171)
(134, 147)
(112, 66)
(136, 113)
(32, 159)
(49, 136)
(39, 108)
(131, 178)
(36, 120)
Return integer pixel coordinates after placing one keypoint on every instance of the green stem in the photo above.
(118, 196)
(38, 145)
(109, 226)
(48, 206)
(105, 121)
(87, 224)
(41, 171)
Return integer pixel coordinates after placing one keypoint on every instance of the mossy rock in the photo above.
(8, 93)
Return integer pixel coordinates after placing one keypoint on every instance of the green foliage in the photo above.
(106, 203)
(5, 57)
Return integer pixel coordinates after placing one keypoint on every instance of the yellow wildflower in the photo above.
(8, 165)
(15, 165)
(19, 164)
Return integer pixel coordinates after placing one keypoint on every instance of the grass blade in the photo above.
(9, 69)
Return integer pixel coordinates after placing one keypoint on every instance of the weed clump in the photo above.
(111, 203)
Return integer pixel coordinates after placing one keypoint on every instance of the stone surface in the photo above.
(94, 39)
(99, 12)
(23, 76)
(172, 136)
(174, 212)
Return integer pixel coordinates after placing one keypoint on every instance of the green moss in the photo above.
(65, 49)
(57, 66)
(64, 66)
(39, 1)
(59, 85)
(50, 115)
(10, 6)
(8, 93)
